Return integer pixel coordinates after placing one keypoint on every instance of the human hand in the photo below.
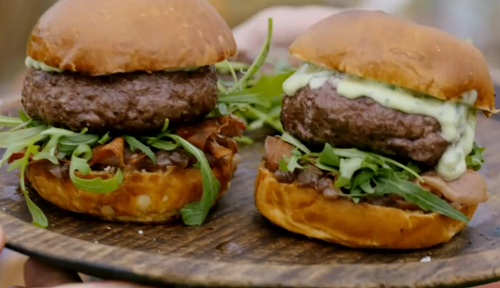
(39, 274)
(2, 239)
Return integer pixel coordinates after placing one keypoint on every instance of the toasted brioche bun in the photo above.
(306, 211)
(142, 197)
(382, 47)
(104, 37)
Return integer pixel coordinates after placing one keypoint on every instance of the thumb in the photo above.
(106, 284)
(2, 239)
(39, 274)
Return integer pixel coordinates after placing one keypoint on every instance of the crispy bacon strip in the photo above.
(17, 155)
(206, 135)
(110, 154)
(469, 189)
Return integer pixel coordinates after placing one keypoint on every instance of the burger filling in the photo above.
(378, 143)
(214, 137)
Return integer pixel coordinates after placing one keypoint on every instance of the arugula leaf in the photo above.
(10, 121)
(194, 214)
(409, 170)
(259, 61)
(134, 144)
(275, 123)
(244, 140)
(38, 217)
(362, 179)
(347, 169)
(23, 116)
(49, 151)
(164, 145)
(283, 166)
(15, 138)
(350, 153)
(292, 163)
(475, 159)
(328, 157)
(263, 93)
(413, 193)
(257, 103)
(104, 139)
(164, 129)
(79, 159)
(225, 67)
(287, 137)
(326, 168)
(68, 144)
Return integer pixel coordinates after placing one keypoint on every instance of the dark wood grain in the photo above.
(237, 247)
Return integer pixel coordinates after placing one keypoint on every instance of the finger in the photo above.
(39, 274)
(107, 284)
(2, 239)
(491, 285)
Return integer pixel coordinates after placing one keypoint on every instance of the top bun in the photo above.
(98, 37)
(383, 47)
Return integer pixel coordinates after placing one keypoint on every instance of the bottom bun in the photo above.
(142, 197)
(306, 211)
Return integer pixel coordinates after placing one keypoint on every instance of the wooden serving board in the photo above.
(237, 247)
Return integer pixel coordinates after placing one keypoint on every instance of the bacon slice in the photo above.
(206, 135)
(275, 149)
(17, 155)
(110, 154)
(469, 189)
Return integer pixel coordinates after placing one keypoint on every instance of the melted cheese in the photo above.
(457, 119)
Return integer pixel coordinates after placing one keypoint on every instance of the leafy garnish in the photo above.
(68, 144)
(475, 159)
(295, 142)
(258, 102)
(244, 140)
(257, 64)
(364, 174)
(79, 162)
(134, 144)
(347, 168)
(225, 67)
(415, 194)
(10, 121)
(165, 145)
(104, 139)
(38, 217)
(195, 213)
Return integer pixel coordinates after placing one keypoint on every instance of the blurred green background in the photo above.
(478, 20)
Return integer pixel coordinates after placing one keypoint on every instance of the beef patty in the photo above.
(129, 102)
(319, 116)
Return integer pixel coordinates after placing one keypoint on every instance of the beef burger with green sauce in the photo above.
(378, 149)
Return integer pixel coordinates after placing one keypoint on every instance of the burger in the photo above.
(121, 115)
(378, 149)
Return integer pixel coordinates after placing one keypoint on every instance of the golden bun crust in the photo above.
(142, 197)
(104, 37)
(383, 47)
(306, 211)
